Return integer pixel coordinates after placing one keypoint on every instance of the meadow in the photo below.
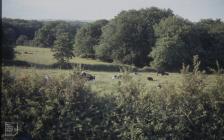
(186, 105)
(103, 83)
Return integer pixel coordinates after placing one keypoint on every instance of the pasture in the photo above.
(103, 83)
(107, 107)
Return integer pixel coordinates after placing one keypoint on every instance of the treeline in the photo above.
(151, 36)
(154, 37)
(16, 31)
(21, 30)
(33, 33)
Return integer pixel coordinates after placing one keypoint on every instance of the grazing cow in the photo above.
(90, 77)
(165, 73)
(28, 53)
(150, 78)
(87, 76)
(161, 72)
(116, 77)
(83, 73)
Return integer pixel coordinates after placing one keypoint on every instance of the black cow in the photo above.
(150, 78)
(165, 73)
(87, 76)
(161, 72)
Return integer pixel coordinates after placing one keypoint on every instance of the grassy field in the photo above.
(103, 82)
(45, 56)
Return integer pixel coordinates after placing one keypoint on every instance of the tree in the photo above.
(212, 40)
(8, 42)
(46, 35)
(22, 27)
(178, 40)
(63, 49)
(22, 40)
(87, 38)
(174, 45)
(129, 37)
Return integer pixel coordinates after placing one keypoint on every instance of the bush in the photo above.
(49, 108)
(189, 110)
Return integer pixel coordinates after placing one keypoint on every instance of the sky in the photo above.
(193, 10)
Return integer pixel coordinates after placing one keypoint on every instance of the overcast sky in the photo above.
(193, 10)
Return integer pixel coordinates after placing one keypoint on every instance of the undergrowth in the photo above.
(65, 108)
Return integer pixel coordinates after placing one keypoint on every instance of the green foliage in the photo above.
(22, 40)
(50, 109)
(87, 38)
(22, 27)
(178, 40)
(219, 69)
(65, 108)
(171, 48)
(212, 36)
(14, 32)
(46, 35)
(63, 49)
(185, 111)
(139, 37)
(129, 37)
(8, 44)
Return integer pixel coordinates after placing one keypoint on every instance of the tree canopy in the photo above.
(170, 49)
(129, 37)
(178, 40)
(46, 35)
(8, 42)
(87, 38)
(212, 40)
(63, 49)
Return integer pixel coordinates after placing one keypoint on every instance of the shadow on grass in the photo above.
(19, 63)
(92, 67)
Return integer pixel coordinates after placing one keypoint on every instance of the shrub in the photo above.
(50, 109)
(189, 110)
(66, 108)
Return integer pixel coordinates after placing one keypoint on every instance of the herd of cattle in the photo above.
(90, 77)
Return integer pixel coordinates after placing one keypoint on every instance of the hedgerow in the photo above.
(66, 109)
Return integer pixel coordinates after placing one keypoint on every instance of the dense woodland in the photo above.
(146, 37)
